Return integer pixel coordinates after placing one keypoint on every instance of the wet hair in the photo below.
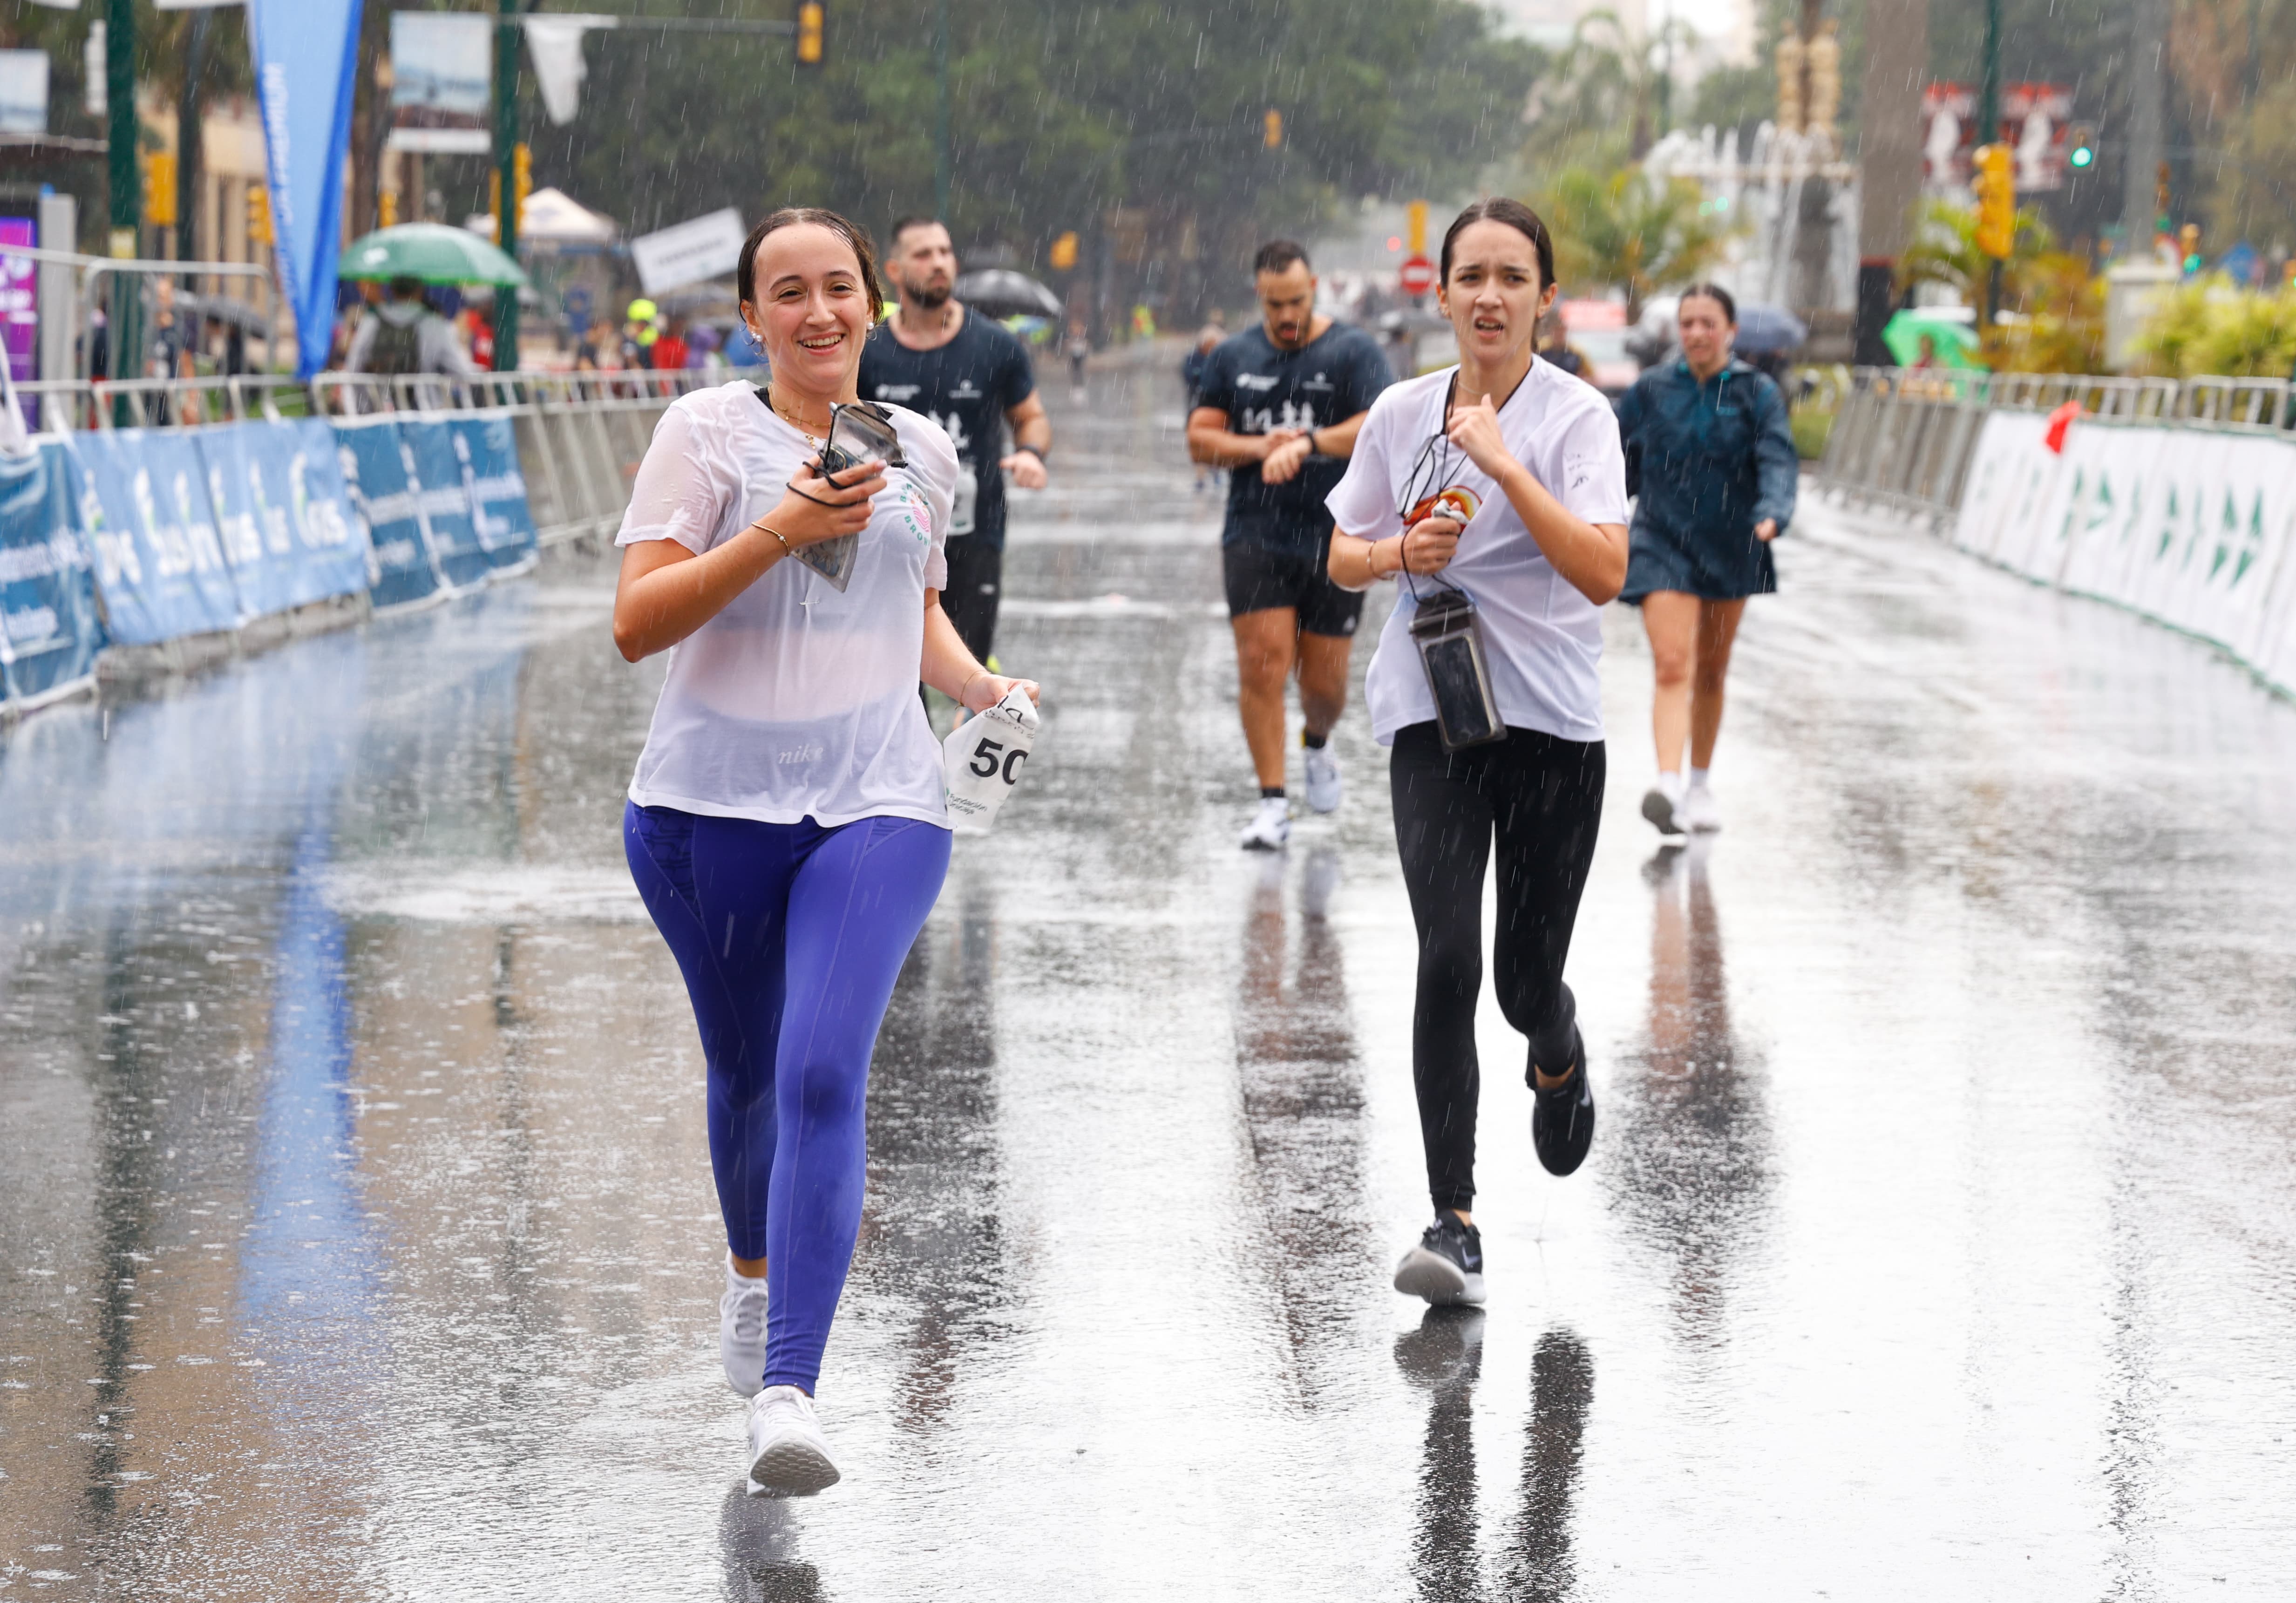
(1717, 295)
(1516, 216)
(913, 221)
(1277, 254)
(745, 277)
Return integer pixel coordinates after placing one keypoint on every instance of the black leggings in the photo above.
(1543, 797)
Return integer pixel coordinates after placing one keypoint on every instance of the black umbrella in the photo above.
(1002, 292)
(1764, 330)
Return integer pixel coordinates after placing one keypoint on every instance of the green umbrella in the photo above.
(432, 252)
(1956, 341)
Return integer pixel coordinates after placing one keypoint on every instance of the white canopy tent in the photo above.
(553, 217)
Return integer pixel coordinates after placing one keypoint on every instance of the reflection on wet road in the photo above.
(357, 1238)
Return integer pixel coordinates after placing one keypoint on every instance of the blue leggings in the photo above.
(789, 937)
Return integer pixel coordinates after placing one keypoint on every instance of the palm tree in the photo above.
(1631, 232)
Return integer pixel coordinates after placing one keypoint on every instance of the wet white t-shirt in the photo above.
(797, 700)
(1542, 636)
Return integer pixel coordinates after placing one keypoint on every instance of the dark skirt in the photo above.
(1708, 564)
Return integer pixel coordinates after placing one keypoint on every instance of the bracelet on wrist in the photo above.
(787, 550)
(1036, 451)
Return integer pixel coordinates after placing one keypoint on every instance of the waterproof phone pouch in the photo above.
(858, 433)
(962, 503)
(1458, 674)
(982, 758)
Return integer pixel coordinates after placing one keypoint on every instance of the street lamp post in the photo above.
(506, 178)
(1988, 125)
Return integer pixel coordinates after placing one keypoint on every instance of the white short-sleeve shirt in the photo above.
(1542, 636)
(797, 700)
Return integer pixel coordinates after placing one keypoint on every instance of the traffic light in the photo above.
(810, 22)
(159, 189)
(1996, 202)
(2188, 246)
(522, 177)
(1272, 138)
(2080, 147)
(1064, 256)
(259, 216)
(1414, 227)
(387, 209)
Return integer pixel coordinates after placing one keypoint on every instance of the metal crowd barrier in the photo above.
(580, 435)
(1905, 438)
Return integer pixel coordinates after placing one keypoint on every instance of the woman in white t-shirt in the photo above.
(1501, 479)
(785, 825)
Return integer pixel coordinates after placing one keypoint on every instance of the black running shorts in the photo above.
(1261, 575)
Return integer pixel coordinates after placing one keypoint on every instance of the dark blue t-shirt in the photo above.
(966, 386)
(1261, 388)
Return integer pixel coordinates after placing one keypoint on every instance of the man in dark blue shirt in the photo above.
(971, 377)
(1280, 405)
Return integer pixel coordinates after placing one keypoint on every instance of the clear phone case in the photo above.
(1450, 644)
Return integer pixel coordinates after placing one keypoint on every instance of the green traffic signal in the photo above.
(2083, 157)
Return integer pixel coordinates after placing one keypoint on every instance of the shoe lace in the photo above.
(749, 1312)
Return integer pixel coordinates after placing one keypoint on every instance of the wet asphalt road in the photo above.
(356, 1238)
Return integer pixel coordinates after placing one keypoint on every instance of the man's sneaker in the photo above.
(789, 1457)
(1562, 1119)
(1270, 828)
(742, 1333)
(1698, 812)
(1661, 800)
(1324, 787)
(1446, 1266)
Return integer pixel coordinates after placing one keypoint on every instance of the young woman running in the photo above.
(785, 825)
(1523, 464)
(1718, 470)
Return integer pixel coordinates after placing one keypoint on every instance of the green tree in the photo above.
(1621, 230)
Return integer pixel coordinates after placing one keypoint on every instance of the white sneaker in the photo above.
(789, 1457)
(1324, 787)
(1270, 829)
(1699, 812)
(742, 1333)
(1661, 800)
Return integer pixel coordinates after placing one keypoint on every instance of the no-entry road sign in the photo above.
(1418, 275)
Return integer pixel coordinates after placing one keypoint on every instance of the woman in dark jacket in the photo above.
(1712, 463)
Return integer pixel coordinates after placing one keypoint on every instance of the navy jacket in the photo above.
(1706, 463)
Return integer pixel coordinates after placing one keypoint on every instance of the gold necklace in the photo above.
(794, 421)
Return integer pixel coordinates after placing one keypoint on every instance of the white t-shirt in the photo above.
(1543, 638)
(797, 700)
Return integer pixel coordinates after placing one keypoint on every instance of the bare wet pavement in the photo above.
(356, 1238)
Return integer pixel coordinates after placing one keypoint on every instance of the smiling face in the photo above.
(812, 310)
(1494, 296)
(1706, 333)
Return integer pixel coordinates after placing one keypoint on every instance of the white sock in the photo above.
(1698, 779)
(1670, 782)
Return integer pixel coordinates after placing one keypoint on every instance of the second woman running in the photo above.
(1527, 464)
(786, 824)
(1717, 467)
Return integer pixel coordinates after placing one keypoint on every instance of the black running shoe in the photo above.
(1562, 1119)
(1446, 1266)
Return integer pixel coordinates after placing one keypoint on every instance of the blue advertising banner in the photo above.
(178, 481)
(261, 479)
(306, 53)
(445, 502)
(262, 558)
(161, 576)
(399, 567)
(49, 630)
(487, 451)
(300, 467)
